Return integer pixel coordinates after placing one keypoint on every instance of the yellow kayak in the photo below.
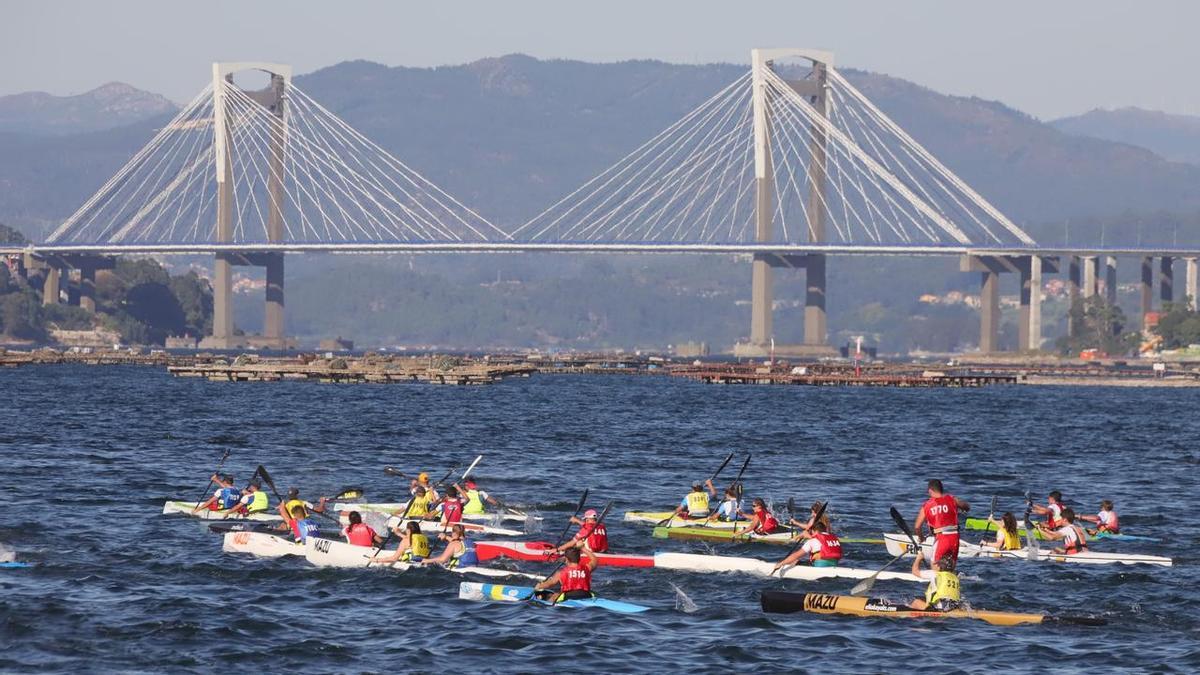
(783, 602)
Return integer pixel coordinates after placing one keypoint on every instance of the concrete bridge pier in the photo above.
(1073, 283)
(1146, 290)
(1191, 283)
(1166, 280)
(1091, 272)
(1110, 279)
(1029, 314)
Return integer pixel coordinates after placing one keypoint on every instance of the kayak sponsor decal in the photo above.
(879, 606)
(323, 545)
(820, 601)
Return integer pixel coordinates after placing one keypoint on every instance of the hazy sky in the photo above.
(1046, 57)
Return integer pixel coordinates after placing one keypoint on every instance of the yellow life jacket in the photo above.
(474, 503)
(260, 502)
(944, 586)
(697, 502)
(418, 547)
(419, 507)
(293, 503)
(1012, 541)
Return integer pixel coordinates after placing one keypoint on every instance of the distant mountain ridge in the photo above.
(108, 106)
(1175, 137)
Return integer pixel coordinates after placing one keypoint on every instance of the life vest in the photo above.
(304, 528)
(831, 546)
(452, 510)
(577, 577)
(767, 524)
(943, 586)
(1054, 519)
(419, 506)
(465, 556)
(596, 535)
(1108, 521)
(293, 503)
(360, 534)
(697, 503)
(474, 502)
(1074, 541)
(259, 502)
(942, 514)
(229, 497)
(418, 548)
(1012, 541)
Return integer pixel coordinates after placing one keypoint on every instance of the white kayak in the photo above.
(669, 519)
(184, 507)
(261, 544)
(392, 507)
(691, 562)
(432, 527)
(899, 543)
(331, 553)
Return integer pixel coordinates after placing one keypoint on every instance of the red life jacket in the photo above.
(1054, 519)
(452, 508)
(360, 535)
(596, 535)
(767, 523)
(577, 577)
(831, 546)
(942, 514)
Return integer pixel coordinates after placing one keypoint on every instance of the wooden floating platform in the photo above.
(847, 379)
(353, 371)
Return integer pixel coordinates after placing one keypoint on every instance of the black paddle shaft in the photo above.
(220, 465)
(578, 508)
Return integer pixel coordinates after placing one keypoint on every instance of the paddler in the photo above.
(458, 552)
(293, 499)
(253, 500)
(807, 525)
(694, 504)
(413, 547)
(301, 524)
(574, 579)
(940, 512)
(1007, 538)
(422, 481)
(1106, 519)
(1052, 510)
(730, 508)
(592, 534)
(476, 498)
(761, 522)
(359, 533)
(1073, 537)
(418, 507)
(823, 547)
(944, 592)
(450, 508)
(225, 497)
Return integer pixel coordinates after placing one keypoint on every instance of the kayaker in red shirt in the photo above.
(592, 534)
(574, 580)
(940, 512)
(762, 521)
(359, 533)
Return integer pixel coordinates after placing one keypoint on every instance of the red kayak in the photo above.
(543, 551)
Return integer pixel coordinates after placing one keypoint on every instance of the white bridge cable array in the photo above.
(334, 185)
(851, 177)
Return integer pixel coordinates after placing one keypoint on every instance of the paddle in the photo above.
(563, 564)
(231, 510)
(816, 517)
(393, 471)
(716, 473)
(991, 515)
(791, 509)
(214, 473)
(737, 482)
(908, 532)
(1031, 545)
(865, 585)
(561, 537)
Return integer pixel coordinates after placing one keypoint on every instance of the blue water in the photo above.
(89, 454)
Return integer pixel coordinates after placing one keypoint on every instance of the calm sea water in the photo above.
(87, 456)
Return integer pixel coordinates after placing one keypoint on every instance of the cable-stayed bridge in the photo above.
(789, 163)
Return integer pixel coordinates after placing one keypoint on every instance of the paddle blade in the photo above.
(863, 587)
(393, 471)
(262, 473)
(375, 520)
(350, 493)
(682, 602)
(722, 467)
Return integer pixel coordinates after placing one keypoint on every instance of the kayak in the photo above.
(261, 544)
(690, 562)
(483, 592)
(899, 543)
(244, 526)
(715, 534)
(540, 551)
(434, 526)
(331, 553)
(664, 519)
(12, 565)
(983, 524)
(392, 507)
(184, 507)
(783, 602)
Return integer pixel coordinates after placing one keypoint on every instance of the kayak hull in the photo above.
(665, 519)
(496, 592)
(260, 544)
(783, 602)
(783, 538)
(899, 544)
(392, 507)
(185, 507)
(470, 528)
(14, 565)
(541, 551)
(331, 553)
(689, 562)
(983, 524)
